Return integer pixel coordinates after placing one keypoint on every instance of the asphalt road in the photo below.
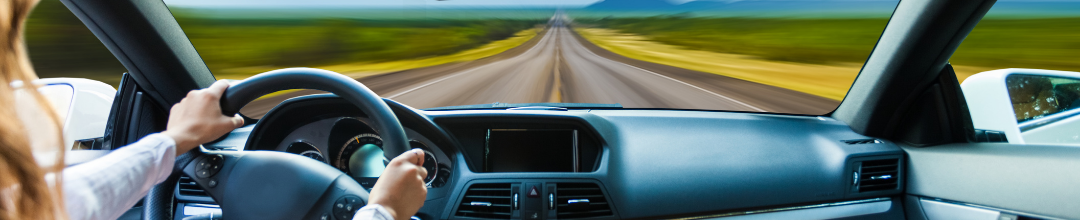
(560, 66)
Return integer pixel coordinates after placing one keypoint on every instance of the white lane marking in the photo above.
(676, 80)
(542, 40)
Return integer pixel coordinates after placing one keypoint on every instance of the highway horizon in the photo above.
(559, 65)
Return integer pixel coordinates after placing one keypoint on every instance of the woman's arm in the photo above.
(106, 187)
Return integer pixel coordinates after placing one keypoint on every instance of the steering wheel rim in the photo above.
(294, 171)
(389, 128)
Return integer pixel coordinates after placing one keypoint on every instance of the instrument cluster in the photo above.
(353, 146)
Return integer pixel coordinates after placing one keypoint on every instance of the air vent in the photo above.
(187, 187)
(487, 200)
(580, 200)
(877, 175)
(862, 141)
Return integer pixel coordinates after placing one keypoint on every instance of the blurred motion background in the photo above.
(811, 46)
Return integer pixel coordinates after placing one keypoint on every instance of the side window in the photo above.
(1020, 72)
(61, 46)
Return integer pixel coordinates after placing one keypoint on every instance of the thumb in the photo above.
(414, 156)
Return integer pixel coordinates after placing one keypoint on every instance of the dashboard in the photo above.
(601, 163)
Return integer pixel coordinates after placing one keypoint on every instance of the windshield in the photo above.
(760, 56)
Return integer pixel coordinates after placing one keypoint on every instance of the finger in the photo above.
(237, 120)
(411, 157)
(218, 87)
(422, 172)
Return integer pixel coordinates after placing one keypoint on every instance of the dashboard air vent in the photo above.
(862, 141)
(580, 200)
(487, 200)
(876, 175)
(187, 187)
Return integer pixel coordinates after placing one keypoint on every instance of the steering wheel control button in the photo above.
(209, 166)
(346, 206)
(212, 183)
(325, 216)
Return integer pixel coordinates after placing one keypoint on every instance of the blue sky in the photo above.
(425, 3)
(375, 3)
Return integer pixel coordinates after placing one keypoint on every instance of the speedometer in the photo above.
(362, 158)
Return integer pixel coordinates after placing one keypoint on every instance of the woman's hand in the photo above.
(197, 119)
(401, 189)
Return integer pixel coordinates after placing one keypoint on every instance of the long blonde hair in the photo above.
(24, 191)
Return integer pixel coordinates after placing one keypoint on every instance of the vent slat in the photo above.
(861, 141)
(187, 187)
(868, 174)
(593, 203)
(871, 170)
(486, 197)
(596, 207)
(488, 213)
(879, 166)
(495, 197)
(581, 196)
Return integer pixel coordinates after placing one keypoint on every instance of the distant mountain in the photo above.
(749, 5)
(631, 5)
(817, 8)
(789, 5)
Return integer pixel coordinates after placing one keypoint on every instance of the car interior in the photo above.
(901, 144)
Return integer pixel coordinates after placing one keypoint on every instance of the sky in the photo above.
(430, 3)
(377, 3)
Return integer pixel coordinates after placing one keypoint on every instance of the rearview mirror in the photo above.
(1028, 106)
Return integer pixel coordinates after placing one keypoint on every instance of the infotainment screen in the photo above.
(531, 150)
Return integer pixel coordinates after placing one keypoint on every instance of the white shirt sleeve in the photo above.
(373, 212)
(105, 188)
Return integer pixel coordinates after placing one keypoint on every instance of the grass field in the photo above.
(823, 56)
(61, 46)
(233, 47)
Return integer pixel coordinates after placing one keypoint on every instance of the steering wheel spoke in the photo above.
(276, 185)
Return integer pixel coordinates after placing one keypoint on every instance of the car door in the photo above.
(1023, 162)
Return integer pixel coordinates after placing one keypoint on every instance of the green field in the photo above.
(1045, 43)
(230, 44)
(61, 46)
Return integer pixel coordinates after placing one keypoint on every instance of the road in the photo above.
(561, 66)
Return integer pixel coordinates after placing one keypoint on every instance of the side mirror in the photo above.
(83, 105)
(1029, 106)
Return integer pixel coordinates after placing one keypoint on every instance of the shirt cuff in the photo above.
(374, 212)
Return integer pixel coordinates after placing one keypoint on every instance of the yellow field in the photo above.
(829, 81)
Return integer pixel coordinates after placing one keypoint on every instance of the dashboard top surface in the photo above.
(663, 163)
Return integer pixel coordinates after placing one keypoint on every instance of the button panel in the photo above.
(209, 166)
(346, 206)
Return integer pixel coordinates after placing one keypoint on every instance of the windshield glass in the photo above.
(761, 56)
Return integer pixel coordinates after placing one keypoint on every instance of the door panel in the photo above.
(1025, 180)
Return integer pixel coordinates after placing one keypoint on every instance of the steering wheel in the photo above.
(279, 185)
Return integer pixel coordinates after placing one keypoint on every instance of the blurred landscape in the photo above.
(812, 46)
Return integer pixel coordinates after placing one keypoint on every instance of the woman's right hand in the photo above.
(401, 189)
(197, 119)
